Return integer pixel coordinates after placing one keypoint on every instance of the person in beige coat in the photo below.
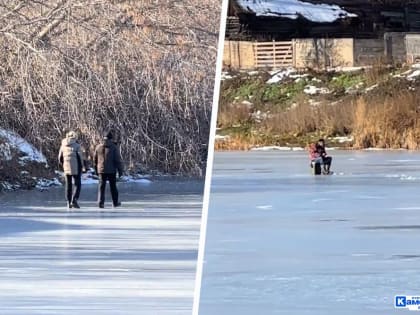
(71, 159)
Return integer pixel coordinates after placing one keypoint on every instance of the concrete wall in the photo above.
(239, 55)
(412, 42)
(321, 53)
(395, 48)
(368, 51)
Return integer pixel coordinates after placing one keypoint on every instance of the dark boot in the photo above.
(101, 189)
(75, 204)
(326, 169)
(118, 204)
(69, 205)
(114, 190)
(101, 205)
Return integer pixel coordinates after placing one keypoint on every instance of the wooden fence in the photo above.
(251, 55)
(273, 54)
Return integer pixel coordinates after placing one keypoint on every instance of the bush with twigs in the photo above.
(144, 69)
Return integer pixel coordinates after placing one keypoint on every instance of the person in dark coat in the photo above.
(326, 159)
(71, 159)
(107, 163)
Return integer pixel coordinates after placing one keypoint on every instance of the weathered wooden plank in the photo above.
(278, 44)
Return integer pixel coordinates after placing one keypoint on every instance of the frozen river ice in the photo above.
(281, 241)
(137, 259)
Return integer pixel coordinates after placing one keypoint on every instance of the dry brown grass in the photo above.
(388, 117)
(236, 142)
(305, 118)
(233, 114)
(390, 122)
(377, 72)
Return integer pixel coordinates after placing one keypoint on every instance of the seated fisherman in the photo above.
(326, 159)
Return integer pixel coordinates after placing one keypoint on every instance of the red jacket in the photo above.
(313, 152)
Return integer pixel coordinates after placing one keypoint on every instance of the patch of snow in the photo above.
(271, 148)
(221, 138)
(298, 149)
(8, 186)
(403, 74)
(247, 103)
(344, 139)
(278, 76)
(5, 152)
(294, 8)
(252, 73)
(139, 180)
(313, 90)
(414, 75)
(347, 69)
(299, 76)
(259, 116)
(28, 150)
(226, 76)
(88, 180)
(316, 80)
(47, 183)
(371, 88)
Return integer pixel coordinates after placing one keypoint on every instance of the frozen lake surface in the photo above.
(281, 241)
(137, 259)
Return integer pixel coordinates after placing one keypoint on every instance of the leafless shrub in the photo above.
(142, 68)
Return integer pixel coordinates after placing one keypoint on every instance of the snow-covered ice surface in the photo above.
(137, 259)
(281, 241)
(293, 8)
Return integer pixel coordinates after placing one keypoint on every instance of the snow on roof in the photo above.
(294, 8)
(28, 150)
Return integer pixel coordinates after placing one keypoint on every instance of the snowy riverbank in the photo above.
(22, 166)
(353, 107)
